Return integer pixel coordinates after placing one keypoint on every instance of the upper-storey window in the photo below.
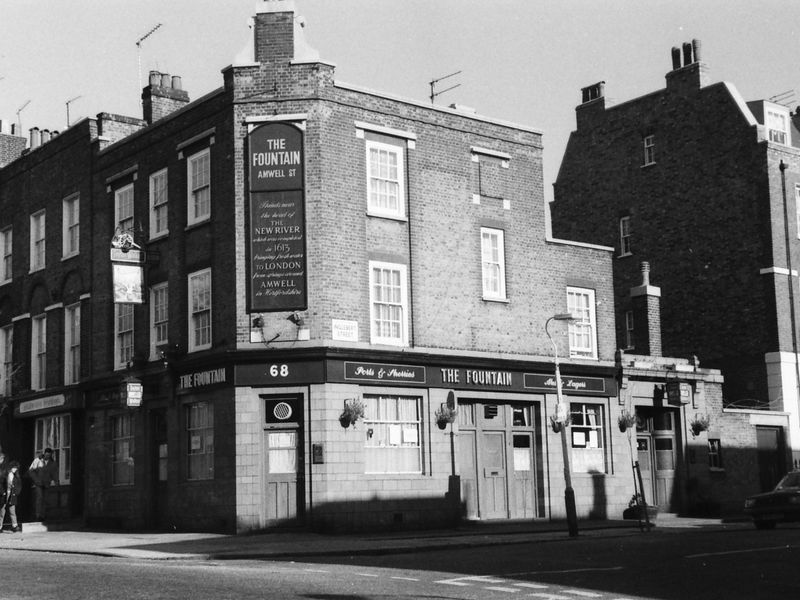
(777, 124)
(123, 208)
(6, 359)
(71, 222)
(493, 264)
(649, 142)
(388, 304)
(200, 310)
(123, 338)
(158, 204)
(582, 330)
(37, 241)
(72, 343)
(198, 177)
(39, 352)
(6, 246)
(385, 180)
(796, 207)
(625, 236)
(159, 317)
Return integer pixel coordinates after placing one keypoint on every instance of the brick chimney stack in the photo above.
(274, 30)
(11, 145)
(692, 72)
(163, 96)
(646, 305)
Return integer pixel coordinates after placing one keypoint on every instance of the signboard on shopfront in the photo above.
(570, 384)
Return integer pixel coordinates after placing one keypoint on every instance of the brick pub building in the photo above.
(251, 310)
(704, 187)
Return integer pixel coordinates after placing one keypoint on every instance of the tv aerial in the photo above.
(139, 49)
(68, 102)
(433, 83)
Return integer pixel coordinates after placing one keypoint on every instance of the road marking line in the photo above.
(745, 551)
(549, 596)
(317, 570)
(367, 575)
(588, 569)
(582, 593)
(498, 588)
(536, 586)
(470, 580)
(404, 578)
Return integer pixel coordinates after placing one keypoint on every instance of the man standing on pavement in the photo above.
(44, 473)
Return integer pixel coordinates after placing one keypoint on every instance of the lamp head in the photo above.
(564, 317)
(295, 318)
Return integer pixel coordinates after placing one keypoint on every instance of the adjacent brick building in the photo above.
(263, 306)
(703, 186)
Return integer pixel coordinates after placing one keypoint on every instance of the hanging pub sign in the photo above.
(132, 390)
(277, 277)
(128, 282)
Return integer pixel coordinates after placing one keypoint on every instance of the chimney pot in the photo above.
(696, 47)
(155, 77)
(687, 54)
(165, 80)
(35, 137)
(176, 82)
(676, 58)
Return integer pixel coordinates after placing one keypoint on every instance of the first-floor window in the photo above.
(72, 343)
(392, 426)
(159, 317)
(388, 304)
(629, 343)
(200, 436)
(124, 335)
(39, 352)
(588, 449)
(493, 264)
(7, 363)
(200, 310)
(55, 432)
(122, 450)
(583, 329)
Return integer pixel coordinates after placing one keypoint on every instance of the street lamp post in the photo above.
(562, 417)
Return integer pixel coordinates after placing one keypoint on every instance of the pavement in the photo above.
(295, 544)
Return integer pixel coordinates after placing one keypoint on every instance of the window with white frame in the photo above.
(393, 428)
(583, 329)
(39, 352)
(198, 178)
(777, 125)
(625, 236)
(629, 343)
(122, 437)
(123, 335)
(649, 149)
(123, 208)
(200, 439)
(493, 264)
(6, 239)
(71, 224)
(200, 310)
(55, 432)
(388, 303)
(72, 343)
(385, 180)
(158, 204)
(37, 241)
(7, 360)
(159, 317)
(587, 430)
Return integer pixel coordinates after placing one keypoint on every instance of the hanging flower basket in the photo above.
(353, 411)
(444, 416)
(626, 420)
(698, 424)
(557, 425)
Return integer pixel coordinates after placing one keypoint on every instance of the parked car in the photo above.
(780, 505)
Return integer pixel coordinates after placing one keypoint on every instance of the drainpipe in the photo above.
(783, 166)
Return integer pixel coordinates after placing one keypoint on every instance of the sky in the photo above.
(522, 61)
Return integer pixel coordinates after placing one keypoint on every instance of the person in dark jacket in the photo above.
(44, 474)
(13, 489)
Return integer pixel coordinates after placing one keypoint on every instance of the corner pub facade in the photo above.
(322, 270)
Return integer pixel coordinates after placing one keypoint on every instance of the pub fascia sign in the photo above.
(199, 379)
(568, 383)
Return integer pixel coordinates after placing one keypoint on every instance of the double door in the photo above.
(498, 461)
(657, 453)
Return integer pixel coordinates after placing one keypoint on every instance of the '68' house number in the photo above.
(279, 370)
